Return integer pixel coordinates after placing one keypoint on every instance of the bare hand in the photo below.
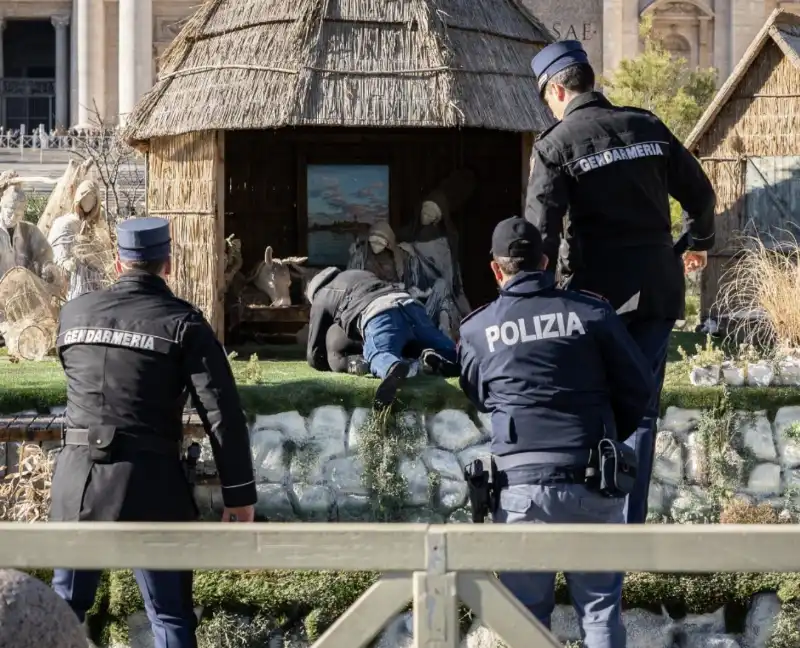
(694, 261)
(239, 514)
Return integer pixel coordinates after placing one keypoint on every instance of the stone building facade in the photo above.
(63, 60)
(707, 33)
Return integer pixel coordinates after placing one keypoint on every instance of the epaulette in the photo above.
(546, 131)
(475, 312)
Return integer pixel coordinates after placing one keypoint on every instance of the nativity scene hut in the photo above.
(748, 141)
(300, 124)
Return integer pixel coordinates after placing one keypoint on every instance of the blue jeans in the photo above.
(597, 598)
(652, 336)
(386, 334)
(167, 599)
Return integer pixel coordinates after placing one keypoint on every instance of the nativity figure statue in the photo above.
(431, 244)
(82, 246)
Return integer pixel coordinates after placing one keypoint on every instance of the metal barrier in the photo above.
(431, 565)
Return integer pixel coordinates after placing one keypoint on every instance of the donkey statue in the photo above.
(274, 277)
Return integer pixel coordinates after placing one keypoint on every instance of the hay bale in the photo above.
(32, 615)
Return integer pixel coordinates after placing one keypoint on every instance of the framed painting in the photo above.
(343, 202)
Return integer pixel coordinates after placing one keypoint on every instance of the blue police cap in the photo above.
(517, 237)
(556, 57)
(143, 239)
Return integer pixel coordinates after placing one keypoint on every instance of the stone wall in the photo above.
(309, 468)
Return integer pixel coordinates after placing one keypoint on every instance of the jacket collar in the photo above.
(587, 99)
(527, 284)
(145, 279)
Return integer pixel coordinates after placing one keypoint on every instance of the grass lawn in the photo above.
(281, 381)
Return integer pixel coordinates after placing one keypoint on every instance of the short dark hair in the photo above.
(576, 78)
(150, 267)
(511, 266)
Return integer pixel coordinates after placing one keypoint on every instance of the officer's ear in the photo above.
(167, 267)
(544, 262)
(498, 275)
(118, 266)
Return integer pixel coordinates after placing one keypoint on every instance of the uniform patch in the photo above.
(539, 327)
(114, 337)
(602, 159)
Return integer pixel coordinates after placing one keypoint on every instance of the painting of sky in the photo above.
(343, 202)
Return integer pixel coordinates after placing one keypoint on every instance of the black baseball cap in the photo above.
(517, 237)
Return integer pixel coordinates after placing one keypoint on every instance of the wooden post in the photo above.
(435, 609)
(219, 242)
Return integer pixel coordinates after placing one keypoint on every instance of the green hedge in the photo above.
(281, 386)
(316, 599)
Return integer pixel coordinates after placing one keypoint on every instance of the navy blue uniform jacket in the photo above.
(554, 368)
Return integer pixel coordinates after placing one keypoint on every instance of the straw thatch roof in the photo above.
(782, 28)
(248, 64)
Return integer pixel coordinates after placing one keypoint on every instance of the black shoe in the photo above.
(387, 390)
(435, 363)
(357, 366)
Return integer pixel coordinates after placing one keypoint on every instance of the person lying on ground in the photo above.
(382, 317)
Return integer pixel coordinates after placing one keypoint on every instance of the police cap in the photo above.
(517, 237)
(557, 57)
(143, 239)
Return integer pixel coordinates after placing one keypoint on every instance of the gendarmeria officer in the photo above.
(559, 373)
(132, 354)
(614, 168)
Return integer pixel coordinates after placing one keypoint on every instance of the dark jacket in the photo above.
(614, 169)
(341, 301)
(133, 354)
(556, 369)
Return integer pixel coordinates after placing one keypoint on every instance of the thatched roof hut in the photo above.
(748, 141)
(294, 74)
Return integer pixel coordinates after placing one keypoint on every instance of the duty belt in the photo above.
(569, 458)
(132, 442)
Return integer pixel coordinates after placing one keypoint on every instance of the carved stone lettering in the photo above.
(580, 20)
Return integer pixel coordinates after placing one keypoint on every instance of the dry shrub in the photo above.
(764, 283)
(25, 495)
(741, 512)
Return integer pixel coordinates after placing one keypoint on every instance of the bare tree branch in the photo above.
(119, 167)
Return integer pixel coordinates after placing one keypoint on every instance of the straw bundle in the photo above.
(369, 63)
(25, 494)
(28, 319)
(762, 285)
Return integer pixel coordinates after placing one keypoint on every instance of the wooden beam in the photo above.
(210, 545)
(639, 547)
(402, 547)
(363, 620)
(46, 427)
(493, 604)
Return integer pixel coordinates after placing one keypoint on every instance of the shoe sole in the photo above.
(387, 390)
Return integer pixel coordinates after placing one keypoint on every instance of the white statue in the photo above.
(81, 243)
(21, 243)
(380, 255)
